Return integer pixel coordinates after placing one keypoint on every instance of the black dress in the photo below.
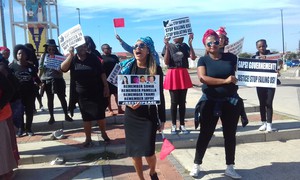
(141, 124)
(88, 86)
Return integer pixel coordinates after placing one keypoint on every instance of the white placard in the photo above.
(256, 73)
(176, 28)
(235, 48)
(143, 89)
(113, 76)
(73, 37)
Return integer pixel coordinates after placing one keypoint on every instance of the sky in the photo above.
(252, 19)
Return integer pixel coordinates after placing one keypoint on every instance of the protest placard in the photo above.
(53, 62)
(235, 48)
(176, 28)
(73, 37)
(113, 76)
(256, 73)
(143, 89)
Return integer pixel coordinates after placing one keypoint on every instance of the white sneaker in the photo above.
(42, 109)
(263, 127)
(231, 172)
(269, 128)
(195, 170)
(183, 129)
(173, 129)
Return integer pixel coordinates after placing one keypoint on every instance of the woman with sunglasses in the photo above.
(53, 81)
(141, 121)
(219, 100)
(177, 79)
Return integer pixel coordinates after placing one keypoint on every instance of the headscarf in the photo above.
(127, 64)
(221, 31)
(208, 33)
(3, 48)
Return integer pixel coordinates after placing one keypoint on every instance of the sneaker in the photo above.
(68, 118)
(51, 121)
(269, 128)
(42, 109)
(19, 132)
(183, 129)
(231, 172)
(173, 129)
(263, 127)
(195, 170)
(29, 133)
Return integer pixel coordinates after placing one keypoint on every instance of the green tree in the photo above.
(245, 55)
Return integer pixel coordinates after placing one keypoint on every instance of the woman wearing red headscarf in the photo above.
(219, 100)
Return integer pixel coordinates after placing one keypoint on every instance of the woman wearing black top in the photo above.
(265, 95)
(90, 88)
(216, 71)
(141, 120)
(27, 76)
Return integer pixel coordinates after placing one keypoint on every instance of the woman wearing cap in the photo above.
(219, 100)
(141, 120)
(90, 88)
(53, 81)
(177, 79)
(27, 76)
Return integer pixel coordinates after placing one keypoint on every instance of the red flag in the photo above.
(119, 22)
(166, 148)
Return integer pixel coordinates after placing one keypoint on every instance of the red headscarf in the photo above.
(221, 31)
(208, 33)
(2, 48)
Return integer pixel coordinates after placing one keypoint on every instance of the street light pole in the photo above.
(2, 23)
(78, 14)
(282, 32)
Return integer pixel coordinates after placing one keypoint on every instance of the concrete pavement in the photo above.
(34, 150)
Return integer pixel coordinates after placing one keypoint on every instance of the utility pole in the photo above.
(2, 24)
(282, 32)
(78, 14)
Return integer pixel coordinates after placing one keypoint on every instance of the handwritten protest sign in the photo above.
(53, 62)
(257, 73)
(138, 88)
(176, 28)
(113, 76)
(73, 37)
(235, 48)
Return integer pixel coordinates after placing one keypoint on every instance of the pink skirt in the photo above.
(177, 78)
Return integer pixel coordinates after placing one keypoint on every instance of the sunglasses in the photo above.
(209, 44)
(141, 46)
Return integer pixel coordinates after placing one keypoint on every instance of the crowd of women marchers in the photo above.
(25, 75)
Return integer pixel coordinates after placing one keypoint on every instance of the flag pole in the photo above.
(115, 30)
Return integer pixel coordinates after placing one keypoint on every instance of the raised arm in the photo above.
(167, 51)
(65, 65)
(125, 46)
(192, 52)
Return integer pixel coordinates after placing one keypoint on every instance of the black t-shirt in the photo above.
(179, 54)
(87, 75)
(109, 62)
(221, 68)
